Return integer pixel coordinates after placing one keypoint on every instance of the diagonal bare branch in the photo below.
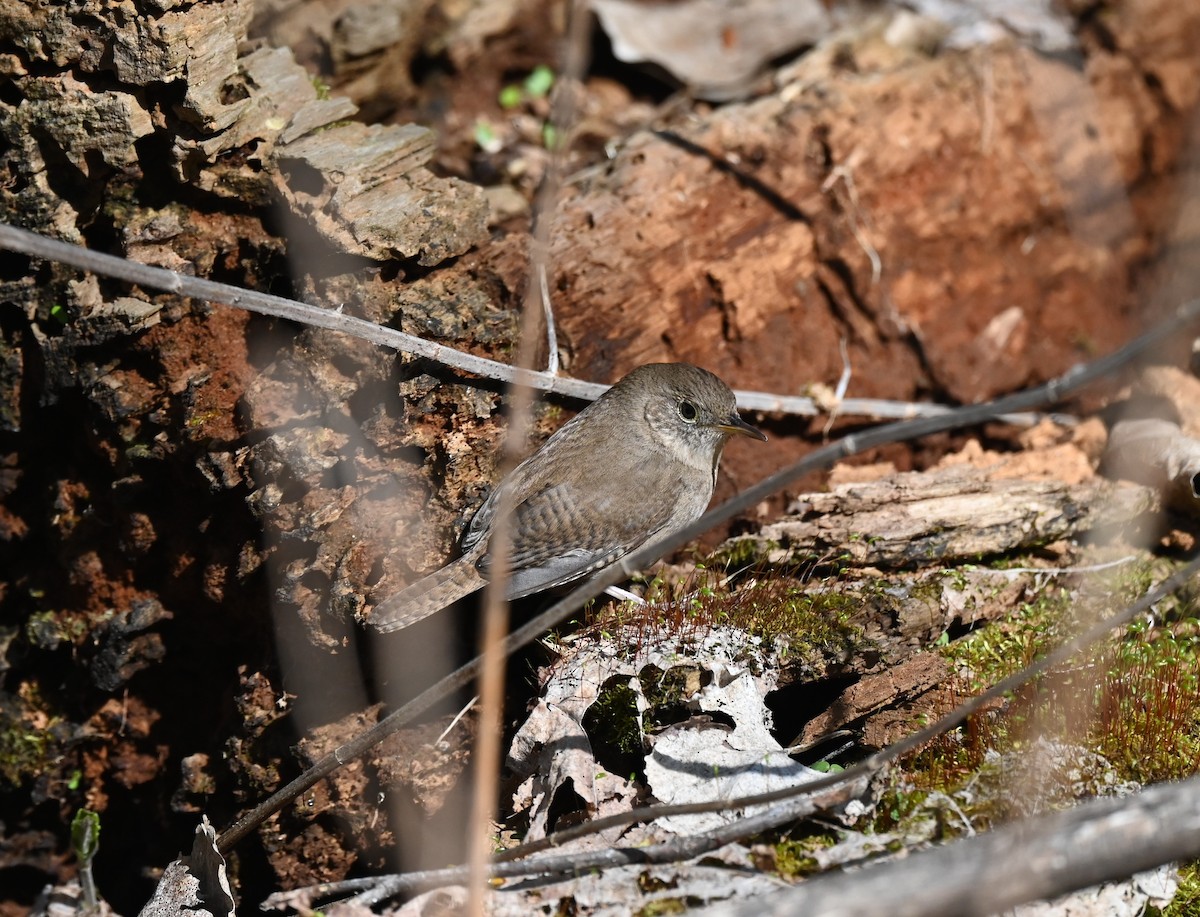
(1097, 841)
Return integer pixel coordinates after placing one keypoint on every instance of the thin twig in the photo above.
(16, 239)
(845, 173)
(839, 393)
(548, 314)
(624, 595)
(487, 752)
(457, 717)
(561, 865)
(1052, 571)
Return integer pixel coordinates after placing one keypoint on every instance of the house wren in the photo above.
(633, 466)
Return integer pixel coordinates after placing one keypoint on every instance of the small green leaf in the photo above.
(486, 137)
(511, 96)
(824, 767)
(539, 82)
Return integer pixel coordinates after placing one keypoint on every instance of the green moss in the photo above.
(667, 694)
(794, 856)
(1129, 709)
(804, 620)
(809, 621)
(48, 629)
(1000, 649)
(26, 750)
(1136, 700)
(738, 554)
(1132, 581)
(900, 803)
(201, 418)
(612, 725)
(23, 752)
(139, 451)
(1147, 705)
(1186, 902)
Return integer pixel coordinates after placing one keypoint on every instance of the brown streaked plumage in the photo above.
(636, 464)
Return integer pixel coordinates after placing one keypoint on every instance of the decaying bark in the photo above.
(898, 684)
(944, 516)
(880, 207)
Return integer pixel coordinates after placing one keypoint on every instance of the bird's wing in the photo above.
(560, 533)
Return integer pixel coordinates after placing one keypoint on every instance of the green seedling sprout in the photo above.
(511, 96)
(539, 82)
(85, 841)
(536, 85)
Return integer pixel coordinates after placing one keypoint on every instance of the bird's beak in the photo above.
(735, 424)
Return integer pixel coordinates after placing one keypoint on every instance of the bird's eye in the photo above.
(688, 412)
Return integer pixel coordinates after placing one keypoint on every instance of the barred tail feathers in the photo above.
(428, 595)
